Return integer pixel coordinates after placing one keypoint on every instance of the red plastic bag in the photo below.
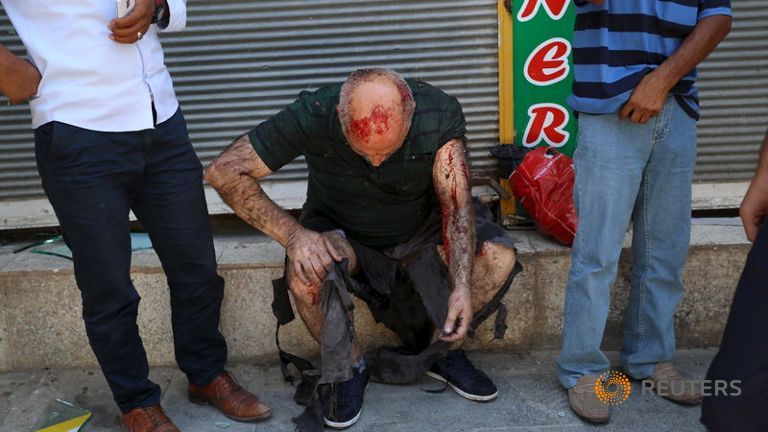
(544, 184)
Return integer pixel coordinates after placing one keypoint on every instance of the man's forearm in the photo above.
(459, 242)
(707, 34)
(251, 203)
(754, 206)
(761, 174)
(452, 187)
(230, 174)
(6, 58)
(19, 79)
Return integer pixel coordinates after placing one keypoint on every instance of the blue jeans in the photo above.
(628, 173)
(93, 179)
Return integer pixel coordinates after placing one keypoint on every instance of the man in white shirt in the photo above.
(110, 138)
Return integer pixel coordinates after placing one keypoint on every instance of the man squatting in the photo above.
(389, 195)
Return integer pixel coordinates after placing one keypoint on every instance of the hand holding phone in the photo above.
(124, 7)
(135, 22)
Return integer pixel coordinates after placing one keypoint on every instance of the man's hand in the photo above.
(312, 255)
(459, 315)
(126, 29)
(754, 208)
(649, 96)
(20, 79)
(647, 99)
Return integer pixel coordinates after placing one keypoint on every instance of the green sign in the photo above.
(543, 74)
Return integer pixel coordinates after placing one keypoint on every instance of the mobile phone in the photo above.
(124, 7)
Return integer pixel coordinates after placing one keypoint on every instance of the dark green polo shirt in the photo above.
(378, 207)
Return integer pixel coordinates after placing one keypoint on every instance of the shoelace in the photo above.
(228, 384)
(460, 364)
(588, 386)
(668, 374)
(154, 415)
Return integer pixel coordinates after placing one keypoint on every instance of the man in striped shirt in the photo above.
(635, 95)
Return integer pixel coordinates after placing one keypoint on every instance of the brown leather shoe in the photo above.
(226, 394)
(584, 401)
(148, 419)
(668, 383)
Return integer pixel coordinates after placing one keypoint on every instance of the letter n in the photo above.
(554, 8)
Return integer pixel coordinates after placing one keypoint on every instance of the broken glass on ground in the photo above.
(56, 247)
(62, 416)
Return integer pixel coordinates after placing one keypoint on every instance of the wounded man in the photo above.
(389, 218)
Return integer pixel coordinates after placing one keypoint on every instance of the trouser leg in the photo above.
(661, 235)
(608, 164)
(171, 206)
(742, 362)
(91, 179)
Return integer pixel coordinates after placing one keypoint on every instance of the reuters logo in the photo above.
(612, 388)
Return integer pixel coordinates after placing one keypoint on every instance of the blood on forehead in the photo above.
(377, 122)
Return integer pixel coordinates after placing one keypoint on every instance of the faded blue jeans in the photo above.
(628, 173)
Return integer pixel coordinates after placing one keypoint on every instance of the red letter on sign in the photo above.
(546, 122)
(548, 63)
(555, 9)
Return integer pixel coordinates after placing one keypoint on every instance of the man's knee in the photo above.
(101, 315)
(308, 293)
(494, 259)
(305, 294)
(200, 288)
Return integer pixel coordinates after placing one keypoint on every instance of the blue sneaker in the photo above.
(345, 404)
(457, 371)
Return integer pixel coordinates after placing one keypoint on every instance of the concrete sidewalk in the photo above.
(530, 400)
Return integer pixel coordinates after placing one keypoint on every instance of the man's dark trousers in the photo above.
(93, 179)
(743, 354)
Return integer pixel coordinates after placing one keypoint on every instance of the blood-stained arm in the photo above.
(452, 186)
(235, 174)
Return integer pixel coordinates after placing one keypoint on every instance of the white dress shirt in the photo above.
(88, 80)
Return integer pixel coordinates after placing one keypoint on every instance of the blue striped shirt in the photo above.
(617, 43)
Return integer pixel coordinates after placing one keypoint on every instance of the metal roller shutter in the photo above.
(733, 84)
(240, 61)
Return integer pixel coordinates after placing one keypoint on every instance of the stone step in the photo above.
(41, 326)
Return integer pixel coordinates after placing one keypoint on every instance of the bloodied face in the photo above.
(376, 124)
